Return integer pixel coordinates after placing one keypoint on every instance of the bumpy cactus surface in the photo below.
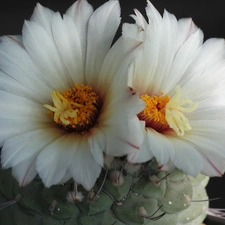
(129, 194)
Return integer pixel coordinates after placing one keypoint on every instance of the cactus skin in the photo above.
(165, 196)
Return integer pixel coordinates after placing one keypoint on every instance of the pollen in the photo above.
(162, 112)
(154, 112)
(76, 109)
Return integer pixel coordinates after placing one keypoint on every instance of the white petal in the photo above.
(114, 69)
(157, 52)
(11, 127)
(121, 138)
(44, 54)
(118, 125)
(84, 168)
(25, 171)
(143, 74)
(47, 19)
(15, 107)
(69, 47)
(186, 156)
(43, 16)
(183, 58)
(207, 62)
(102, 28)
(209, 128)
(213, 164)
(140, 20)
(131, 31)
(162, 149)
(211, 146)
(153, 14)
(167, 50)
(55, 159)
(81, 12)
(16, 63)
(213, 111)
(66, 177)
(186, 29)
(23, 146)
(129, 106)
(143, 154)
(8, 84)
(97, 145)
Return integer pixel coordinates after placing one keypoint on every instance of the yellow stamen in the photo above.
(154, 109)
(162, 112)
(174, 116)
(76, 109)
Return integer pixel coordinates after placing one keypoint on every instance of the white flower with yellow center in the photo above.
(63, 95)
(182, 81)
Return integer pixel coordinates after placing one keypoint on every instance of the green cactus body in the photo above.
(147, 196)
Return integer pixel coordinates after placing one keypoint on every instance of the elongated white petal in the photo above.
(25, 171)
(153, 14)
(208, 61)
(43, 16)
(97, 145)
(186, 157)
(129, 106)
(186, 28)
(55, 159)
(24, 146)
(16, 62)
(120, 138)
(69, 47)
(182, 60)
(84, 168)
(114, 69)
(10, 85)
(100, 36)
(210, 145)
(12, 127)
(44, 54)
(139, 19)
(80, 12)
(162, 149)
(15, 107)
(167, 50)
(143, 154)
(132, 31)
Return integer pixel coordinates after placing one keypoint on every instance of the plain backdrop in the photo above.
(208, 15)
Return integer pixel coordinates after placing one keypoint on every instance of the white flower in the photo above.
(182, 81)
(63, 96)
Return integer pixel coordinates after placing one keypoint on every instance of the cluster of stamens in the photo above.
(162, 112)
(76, 109)
(154, 112)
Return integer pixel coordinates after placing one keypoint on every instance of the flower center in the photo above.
(154, 112)
(76, 109)
(162, 112)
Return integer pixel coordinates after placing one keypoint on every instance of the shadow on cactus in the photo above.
(124, 195)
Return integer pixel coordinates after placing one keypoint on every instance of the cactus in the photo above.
(123, 195)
